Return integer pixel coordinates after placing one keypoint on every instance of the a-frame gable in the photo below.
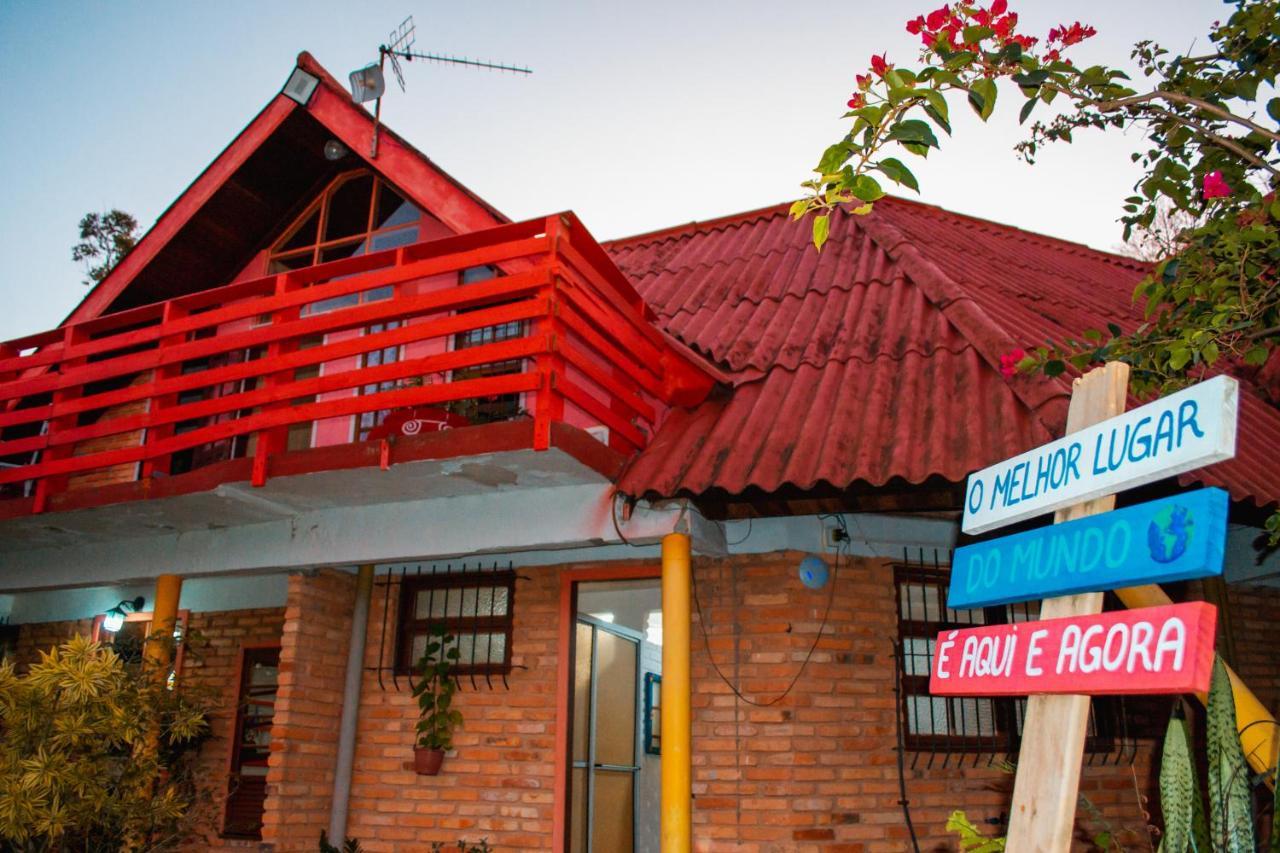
(271, 170)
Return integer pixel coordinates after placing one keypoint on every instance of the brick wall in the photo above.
(212, 659)
(500, 784)
(304, 733)
(818, 769)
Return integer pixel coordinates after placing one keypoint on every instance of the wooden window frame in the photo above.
(237, 734)
(408, 626)
(320, 207)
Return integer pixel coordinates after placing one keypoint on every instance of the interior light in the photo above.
(334, 150)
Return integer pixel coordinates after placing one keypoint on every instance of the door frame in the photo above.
(631, 636)
(569, 578)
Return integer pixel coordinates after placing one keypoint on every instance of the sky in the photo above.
(638, 115)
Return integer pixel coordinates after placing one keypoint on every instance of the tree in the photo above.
(105, 238)
(96, 754)
(1210, 156)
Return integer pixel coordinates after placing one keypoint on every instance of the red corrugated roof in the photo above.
(878, 358)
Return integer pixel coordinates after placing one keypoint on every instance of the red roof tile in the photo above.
(878, 358)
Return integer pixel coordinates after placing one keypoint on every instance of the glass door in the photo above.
(605, 738)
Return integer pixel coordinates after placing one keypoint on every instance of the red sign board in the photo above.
(1165, 649)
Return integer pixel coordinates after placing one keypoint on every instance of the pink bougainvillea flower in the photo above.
(857, 101)
(915, 27)
(1005, 24)
(880, 64)
(1215, 186)
(938, 17)
(1009, 362)
(1073, 34)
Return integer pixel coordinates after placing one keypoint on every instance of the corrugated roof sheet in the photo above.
(878, 358)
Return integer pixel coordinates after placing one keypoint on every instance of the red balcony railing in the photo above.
(243, 363)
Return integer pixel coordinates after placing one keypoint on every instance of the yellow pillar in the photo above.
(164, 618)
(677, 752)
(1259, 736)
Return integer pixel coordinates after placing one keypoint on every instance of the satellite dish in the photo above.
(367, 84)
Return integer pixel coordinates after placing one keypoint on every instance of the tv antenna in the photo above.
(369, 83)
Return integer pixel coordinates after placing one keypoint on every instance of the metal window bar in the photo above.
(468, 620)
(937, 730)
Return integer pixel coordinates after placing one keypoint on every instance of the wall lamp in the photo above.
(113, 621)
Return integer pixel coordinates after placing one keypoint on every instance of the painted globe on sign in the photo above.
(813, 572)
(1169, 533)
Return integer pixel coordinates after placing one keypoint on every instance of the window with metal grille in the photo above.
(476, 608)
(980, 724)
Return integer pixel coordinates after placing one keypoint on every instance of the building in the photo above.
(319, 360)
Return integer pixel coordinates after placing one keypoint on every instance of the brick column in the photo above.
(304, 734)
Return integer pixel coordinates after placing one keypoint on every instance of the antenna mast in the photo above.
(369, 83)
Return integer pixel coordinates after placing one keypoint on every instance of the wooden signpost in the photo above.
(1152, 650)
(1171, 539)
(1075, 651)
(1105, 454)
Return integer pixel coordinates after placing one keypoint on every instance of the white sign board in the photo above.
(1190, 429)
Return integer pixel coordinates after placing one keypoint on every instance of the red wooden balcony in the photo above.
(528, 324)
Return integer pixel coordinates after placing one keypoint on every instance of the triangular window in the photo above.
(358, 212)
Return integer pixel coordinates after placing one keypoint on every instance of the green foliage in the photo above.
(1230, 803)
(1209, 151)
(1184, 822)
(96, 754)
(972, 839)
(1230, 812)
(105, 238)
(351, 845)
(435, 690)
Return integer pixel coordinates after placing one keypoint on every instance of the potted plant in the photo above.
(434, 692)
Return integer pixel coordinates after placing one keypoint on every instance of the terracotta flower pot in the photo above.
(426, 762)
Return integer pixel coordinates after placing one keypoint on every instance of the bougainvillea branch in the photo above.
(1209, 154)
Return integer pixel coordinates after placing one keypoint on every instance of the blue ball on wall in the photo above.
(814, 572)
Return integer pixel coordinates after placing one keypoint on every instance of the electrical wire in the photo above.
(745, 536)
(902, 770)
(706, 636)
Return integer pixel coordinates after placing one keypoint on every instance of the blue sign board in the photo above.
(1171, 539)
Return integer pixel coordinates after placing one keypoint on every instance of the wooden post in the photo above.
(1048, 774)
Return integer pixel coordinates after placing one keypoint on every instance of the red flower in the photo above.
(857, 101)
(864, 81)
(998, 7)
(1073, 34)
(1053, 56)
(879, 64)
(938, 17)
(916, 26)
(1009, 362)
(1215, 186)
(1027, 42)
(1003, 26)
